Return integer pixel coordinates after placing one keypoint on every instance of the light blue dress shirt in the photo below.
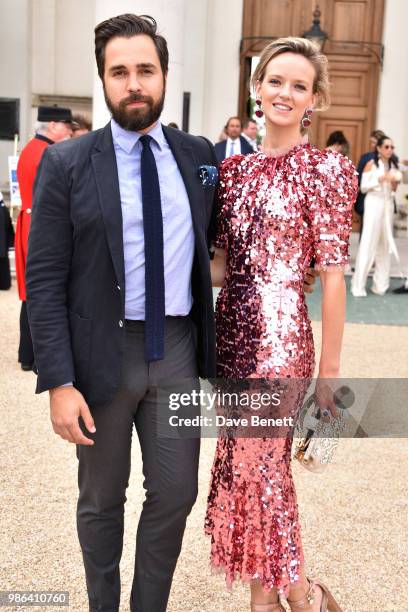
(178, 234)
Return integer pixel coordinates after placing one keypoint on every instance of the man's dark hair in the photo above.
(336, 137)
(230, 119)
(247, 122)
(377, 134)
(81, 123)
(128, 25)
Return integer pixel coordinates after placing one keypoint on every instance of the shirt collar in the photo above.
(126, 139)
(44, 138)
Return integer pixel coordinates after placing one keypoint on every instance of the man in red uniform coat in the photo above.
(55, 125)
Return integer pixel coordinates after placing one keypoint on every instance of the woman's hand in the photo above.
(385, 178)
(324, 392)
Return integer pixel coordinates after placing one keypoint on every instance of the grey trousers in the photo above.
(170, 469)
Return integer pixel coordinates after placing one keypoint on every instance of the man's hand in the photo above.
(309, 280)
(67, 405)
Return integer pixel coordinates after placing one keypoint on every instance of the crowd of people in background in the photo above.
(379, 177)
(234, 143)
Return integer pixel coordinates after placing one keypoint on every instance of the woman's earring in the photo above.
(259, 111)
(307, 118)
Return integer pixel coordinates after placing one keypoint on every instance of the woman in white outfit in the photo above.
(379, 181)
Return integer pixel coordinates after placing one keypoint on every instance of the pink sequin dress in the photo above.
(275, 215)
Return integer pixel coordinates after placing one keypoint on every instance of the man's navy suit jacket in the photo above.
(221, 149)
(75, 269)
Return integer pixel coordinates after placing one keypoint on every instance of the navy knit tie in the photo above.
(154, 267)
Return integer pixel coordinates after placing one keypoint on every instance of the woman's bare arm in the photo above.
(333, 317)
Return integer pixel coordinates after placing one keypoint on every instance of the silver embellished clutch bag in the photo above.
(315, 441)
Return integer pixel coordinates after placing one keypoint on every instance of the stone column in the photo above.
(169, 15)
(224, 31)
(392, 115)
(15, 71)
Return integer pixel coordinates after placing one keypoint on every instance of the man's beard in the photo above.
(136, 119)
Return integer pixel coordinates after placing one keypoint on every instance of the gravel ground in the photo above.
(354, 516)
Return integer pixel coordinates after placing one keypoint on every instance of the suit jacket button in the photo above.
(118, 287)
(121, 323)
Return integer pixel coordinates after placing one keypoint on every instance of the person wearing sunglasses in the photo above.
(364, 159)
(379, 182)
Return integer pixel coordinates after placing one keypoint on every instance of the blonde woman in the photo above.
(379, 182)
(279, 208)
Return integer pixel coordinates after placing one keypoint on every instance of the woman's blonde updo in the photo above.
(310, 51)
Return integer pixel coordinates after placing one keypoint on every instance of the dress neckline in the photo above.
(304, 145)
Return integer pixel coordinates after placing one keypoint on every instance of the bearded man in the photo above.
(120, 299)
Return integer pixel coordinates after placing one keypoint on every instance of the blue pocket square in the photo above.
(208, 175)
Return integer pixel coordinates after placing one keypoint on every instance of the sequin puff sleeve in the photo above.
(228, 171)
(331, 193)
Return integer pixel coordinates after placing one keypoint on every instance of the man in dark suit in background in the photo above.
(120, 299)
(250, 133)
(234, 144)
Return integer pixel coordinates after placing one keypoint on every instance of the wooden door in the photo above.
(354, 28)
